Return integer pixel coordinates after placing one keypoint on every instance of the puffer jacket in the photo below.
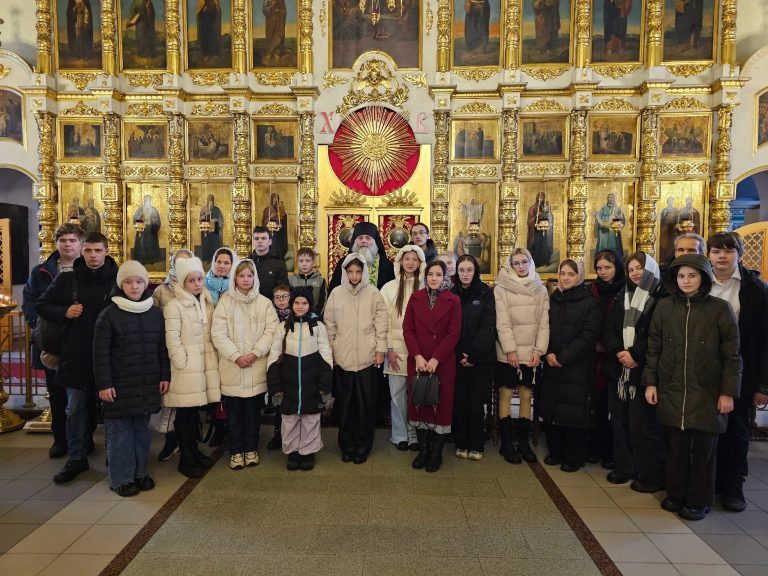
(357, 321)
(693, 353)
(395, 340)
(219, 285)
(478, 321)
(40, 278)
(129, 355)
(303, 372)
(315, 282)
(243, 323)
(522, 316)
(194, 363)
(575, 326)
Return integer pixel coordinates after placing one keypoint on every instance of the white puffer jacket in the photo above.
(395, 340)
(522, 315)
(194, 363)
(243, 323)
(356, 320)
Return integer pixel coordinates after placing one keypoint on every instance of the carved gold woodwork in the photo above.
(654, 27)
(615, 70)
(649, 186)
(177, 196)
(374, 82)
(239, 37)
(144, 109)
(323, 17)
(274, 78)
(275, 109)
(308, 184)
(682, 169)
(542, 169)
(305, 36)
(611, 169)
(347, 198)
(400, 199)
(108, 37)
(211, 109)
(44, 32)
(547, 72)
(440, 194)
(615, 105)
(429, 19)
(685, 103)
(687, 70)
(443, 35)
(79, 79)
(241, 198)
(210, 78)
(80, 109)
(473, 171)
(728, 32)
(81, 171)
(144, 79)
(545, 105)
(582, 27)
(475, 108)
(146, 171)
(281, 171)
(510, 187)
(113, 202)
(723, 190)
(477, 74)
(206, 171)
(46, 190)
(330, 80)
(512, 36)
(418, 80)
(173, 36)
(578, 188)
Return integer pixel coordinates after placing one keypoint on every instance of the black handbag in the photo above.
(426, 389)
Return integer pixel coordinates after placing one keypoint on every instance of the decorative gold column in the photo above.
(307, 182)
(241, 197)
(440, 187)
(723, 190)
(728, 33)
(177, 190)
(108, 37)
(305, 35)
(44, 28)
(239, 37)
(583, 23)
(45, 191)
(654, 27)
(510, 187)
(173, 36)
(650, 188)
(512, 36)
(112, 190)
(577, 188)
(443, 37)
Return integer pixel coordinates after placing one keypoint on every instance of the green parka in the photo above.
(693, 353)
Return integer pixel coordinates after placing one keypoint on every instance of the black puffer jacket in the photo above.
(129, 355)
(478, 322)
(753, 332)
(271, 271)
(574, 329)
(92, 288)
(693, 353)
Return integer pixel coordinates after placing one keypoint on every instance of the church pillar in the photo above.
(654, 28)
(577, 187)
(177, 190)
(723, 190)
(307, 182)
(241, 197)
(112, 189)
(44, 28)
(45, 191)
(440, 194)
(109, 37)
(173, 36)
(728, 33)
(650, 188)
(510, 187)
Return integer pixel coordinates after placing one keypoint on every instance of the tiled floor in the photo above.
(379, 518)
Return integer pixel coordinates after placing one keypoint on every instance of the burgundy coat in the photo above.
(433, 334)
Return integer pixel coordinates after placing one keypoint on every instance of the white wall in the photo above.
(751, 28)
(18, 33)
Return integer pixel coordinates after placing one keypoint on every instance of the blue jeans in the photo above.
(401, 432)
(128, 442)
(78, 405)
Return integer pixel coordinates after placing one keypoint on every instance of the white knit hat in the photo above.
(186, 266)
(131, 269)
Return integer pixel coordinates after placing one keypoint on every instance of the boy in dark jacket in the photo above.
(693, 373)
(132, 370)
(310, 277)
(270, 269)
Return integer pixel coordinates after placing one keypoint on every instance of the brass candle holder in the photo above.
(139, 226)
(9, 421)
(616, 225)
(685, 225)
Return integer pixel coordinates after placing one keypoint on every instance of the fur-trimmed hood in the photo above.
(419, 252)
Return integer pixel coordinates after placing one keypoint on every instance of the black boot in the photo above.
(219, 433)
(188, 464)
(170, 447)
(423, 435)
(200, 459)
(523, 440)
(435, 454)
(508, 449)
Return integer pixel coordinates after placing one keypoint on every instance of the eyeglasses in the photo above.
(281, 297)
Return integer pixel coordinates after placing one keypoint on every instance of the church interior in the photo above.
(565, 127)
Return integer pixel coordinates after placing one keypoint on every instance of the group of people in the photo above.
(640, 371)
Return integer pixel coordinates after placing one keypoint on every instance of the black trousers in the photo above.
(691, 466)
(601, 434)
(244, 422)
(567, 444)
(355, 394)
(733, 447)
(57, 397)
(472, 391)
(647, 440)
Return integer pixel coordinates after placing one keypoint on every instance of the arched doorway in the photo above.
(17, 203)
(751, 203)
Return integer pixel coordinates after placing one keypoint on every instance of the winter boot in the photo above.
(435, 454)
(170, 447)
(424, 437)
(201, 459)
(523, 440)
(188, 464)
(219, 433)
(508, 449)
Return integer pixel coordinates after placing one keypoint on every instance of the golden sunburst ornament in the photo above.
(374, 151)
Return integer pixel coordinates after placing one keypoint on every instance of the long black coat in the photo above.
(753, 332)
(478, 323)
(575, 325)
(129, 355)
(93, 288)
(40, 278)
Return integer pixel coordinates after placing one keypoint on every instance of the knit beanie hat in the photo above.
(304, 292)
(186, 266)
(129, 269)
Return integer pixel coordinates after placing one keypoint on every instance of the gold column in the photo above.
(650, 188)
(512, 35)
(583, 23)
(723, 190)
(108, 37)
(239, 43)
(44, 28)
(654, 26)
(440, 193)
(577, 187)
(45, 192)
(112, 192)
(305, 35)
(728, 33)
(307, 182)
(241, 198)
(177, 192)
(173, 36)
(443, 37)
(510, 187)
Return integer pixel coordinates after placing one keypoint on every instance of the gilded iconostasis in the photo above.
(566, 126)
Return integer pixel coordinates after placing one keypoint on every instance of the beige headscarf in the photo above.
(579, 269)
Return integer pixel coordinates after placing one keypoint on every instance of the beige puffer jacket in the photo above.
(243, 323)
(194, 363)
(522, 316)
(356, 320)
(395, 340)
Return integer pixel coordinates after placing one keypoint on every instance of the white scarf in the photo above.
(132, 305)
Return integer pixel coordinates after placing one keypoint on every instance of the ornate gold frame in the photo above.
(124, 139)
(60, 122)
(614, 157)
(617, 68)
(300, 9)
(489, 68)
(185, 48)
(756, 125)
(693, 65)
(143, 71)
(544, 158)
(54, 13)
(547, 70)
(707, 145)
(23, 118)
(496, 134)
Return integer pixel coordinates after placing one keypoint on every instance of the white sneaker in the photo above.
(475, 455)
(251, 458)
(461, 453)
(236, 461)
